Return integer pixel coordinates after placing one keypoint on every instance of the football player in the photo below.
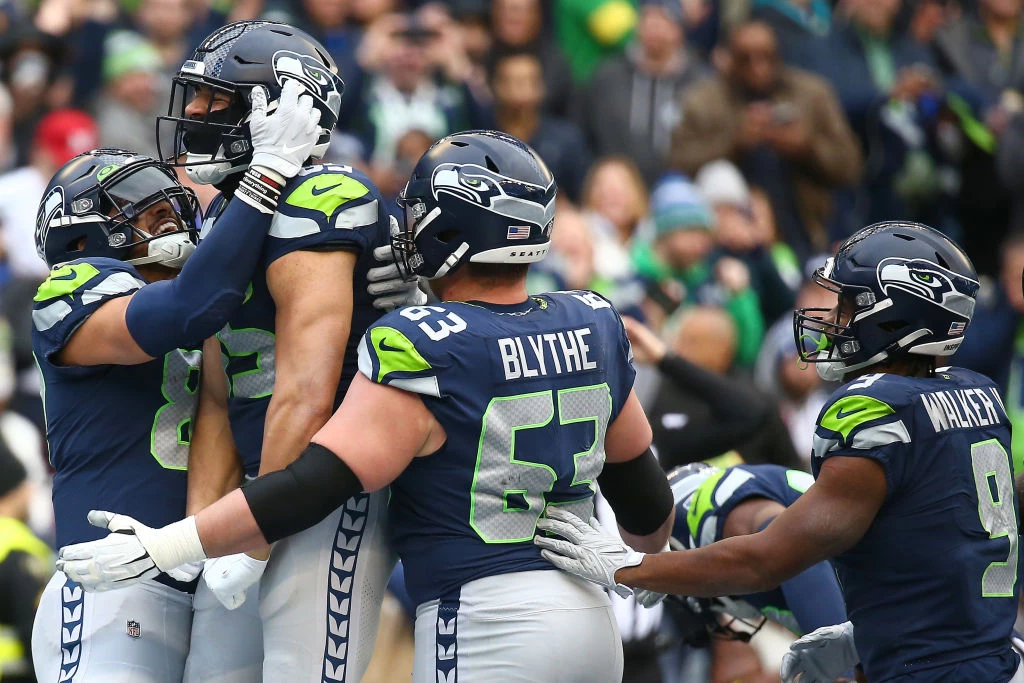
(914, 496)
(289, 353)
(480, 412)
(712, 504)
(116, 328)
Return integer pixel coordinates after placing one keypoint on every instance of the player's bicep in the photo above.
(378, 430)
(630, 434)
(827, 520)
(103, 339)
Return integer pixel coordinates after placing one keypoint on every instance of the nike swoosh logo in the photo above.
(288, 150)
(842, 416)
(317, 191)
(384, 346)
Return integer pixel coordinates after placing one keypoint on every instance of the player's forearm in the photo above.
(213, 468)
(186, 310)
(734, 566)
(228, 526)
(291, 422)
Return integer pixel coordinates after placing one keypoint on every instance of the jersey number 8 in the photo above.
(491, 516)
(991, 465)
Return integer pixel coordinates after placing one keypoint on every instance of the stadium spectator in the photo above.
(994, 343)
(983, 56)
(1010, 166)
(404, 94)
(518, 26)
(30, 64)
(633, 102)
(25, 566)
(700, 412)
(60, 135)
(782, 127)
(800, 26)
(132, 94)
(590, 31)
(166, 25)
(7, 152)
(682, 265)
(518, 86)
(738, 235)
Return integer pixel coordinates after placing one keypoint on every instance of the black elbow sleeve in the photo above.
(638, 492)
(301, 495)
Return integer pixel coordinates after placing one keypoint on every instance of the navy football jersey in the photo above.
(704, 524)
(525, 393)
(324, 207)
(931, 587)
(118, 434)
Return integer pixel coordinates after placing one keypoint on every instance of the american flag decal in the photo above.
(957, 328)
(519, 232)
(134, 629)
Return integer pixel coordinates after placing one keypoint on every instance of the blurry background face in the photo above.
(410, 147)
(613, 194)
(137, 89)
(1010, 275)
(572, 241)
(518, 83)
(365, 11)
(164, 20)
(327, 13)
(658, 33)
(516, 22)
(707, 337)
(875, 15)
(754, 58)
(1003, 9)
(735, 228)
(406, 64)
(681, 249)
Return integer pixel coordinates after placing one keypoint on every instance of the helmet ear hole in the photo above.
(446, 236)
(893, 325)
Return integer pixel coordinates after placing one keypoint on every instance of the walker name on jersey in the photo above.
(960, 408)
(543, 355)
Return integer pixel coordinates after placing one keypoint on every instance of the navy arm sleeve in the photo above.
(182, 312)
(814, 598)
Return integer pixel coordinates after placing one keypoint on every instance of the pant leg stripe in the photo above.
(72, 608)
(348, 537)
(446, 660)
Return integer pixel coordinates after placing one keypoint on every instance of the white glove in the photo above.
(282, 141)
(821, 656)
(588, 551)
(386, 285)
(229, 577)
(132, 553)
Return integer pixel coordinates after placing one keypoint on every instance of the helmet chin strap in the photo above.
(170, 251)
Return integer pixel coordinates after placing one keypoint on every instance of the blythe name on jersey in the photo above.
(541, 355)
(959, 408)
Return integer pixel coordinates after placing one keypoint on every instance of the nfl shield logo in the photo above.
(134, 630)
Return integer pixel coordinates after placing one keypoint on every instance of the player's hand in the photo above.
(821, 656)
(588, 551)
(386, 284)
(231, 576)
(282, 141)
(131, 553)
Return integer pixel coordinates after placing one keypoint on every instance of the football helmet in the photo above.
(903, 288)
(481, 196)
(232, 60)
(99, 195)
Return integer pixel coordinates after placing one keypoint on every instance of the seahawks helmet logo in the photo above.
(925, 280)
(319, 81)
(51, 207)
(488, 190)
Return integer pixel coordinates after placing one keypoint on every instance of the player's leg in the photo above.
(320, 596)
(139, 634)
(521, 627)
(227, 645)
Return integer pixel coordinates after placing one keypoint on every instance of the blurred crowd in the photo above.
(709, 153)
